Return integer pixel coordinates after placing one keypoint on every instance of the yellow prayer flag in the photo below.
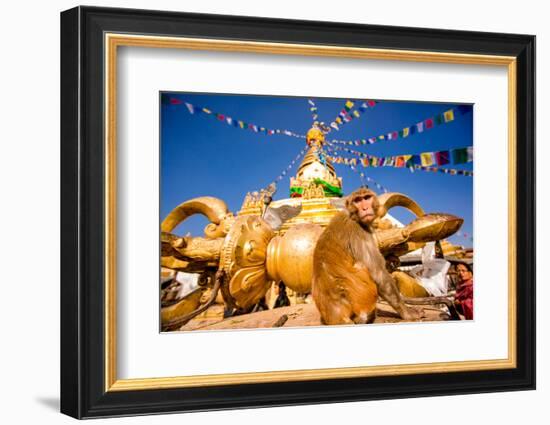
(206, 111)
(449, 115)
(349, 104)
(427, 159)
(405, 131)
(356, 113)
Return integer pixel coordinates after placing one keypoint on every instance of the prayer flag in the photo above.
(470, 152)
(442, 157)
(371, 103)
(405, 131)
(460, 156)
(420, 127)
(190, 107)
(449, 115)
(426, 158)
(356, 113)
(349, 105)
(429, 123)
(175, 101)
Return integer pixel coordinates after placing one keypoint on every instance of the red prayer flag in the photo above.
(175, 101)
(429, 123)
(442, 157)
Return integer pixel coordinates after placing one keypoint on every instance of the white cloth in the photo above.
(432, 274)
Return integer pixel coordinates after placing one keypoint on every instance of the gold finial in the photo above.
(315, 136)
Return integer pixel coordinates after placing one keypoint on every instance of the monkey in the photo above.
(349, 272)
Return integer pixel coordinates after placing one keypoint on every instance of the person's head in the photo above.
(464, 272)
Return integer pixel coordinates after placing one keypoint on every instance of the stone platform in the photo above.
(299, 315)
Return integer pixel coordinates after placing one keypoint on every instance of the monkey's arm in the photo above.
(388, 290)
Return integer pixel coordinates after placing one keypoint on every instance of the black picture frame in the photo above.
(83, 393)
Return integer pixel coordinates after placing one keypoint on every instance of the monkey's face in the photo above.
(365, 206)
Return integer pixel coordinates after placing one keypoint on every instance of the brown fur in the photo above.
(349, 271)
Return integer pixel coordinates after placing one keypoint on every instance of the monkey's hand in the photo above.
(412, 313)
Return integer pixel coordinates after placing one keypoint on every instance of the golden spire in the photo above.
(315, 166)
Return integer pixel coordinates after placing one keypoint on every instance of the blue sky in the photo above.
(202, 156)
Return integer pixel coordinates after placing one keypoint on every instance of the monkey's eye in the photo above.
(361, 198)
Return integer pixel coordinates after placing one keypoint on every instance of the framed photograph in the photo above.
(261, 212)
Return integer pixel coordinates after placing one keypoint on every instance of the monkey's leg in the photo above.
(364, 317)
(389, 292)
(363, 295)
(337, 314)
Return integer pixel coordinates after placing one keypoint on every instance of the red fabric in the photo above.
(429, 123)
(175, 101)
(465, 299)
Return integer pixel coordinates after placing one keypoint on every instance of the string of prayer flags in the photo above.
(392, 162)
(364, 179)
(233, 122)
(313, 110)
(450, 171)
(412, 161)
(417, 128)
(347, 114)
(289, 166)
(425, 159)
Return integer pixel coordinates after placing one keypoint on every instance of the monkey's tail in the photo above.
(433, 301)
